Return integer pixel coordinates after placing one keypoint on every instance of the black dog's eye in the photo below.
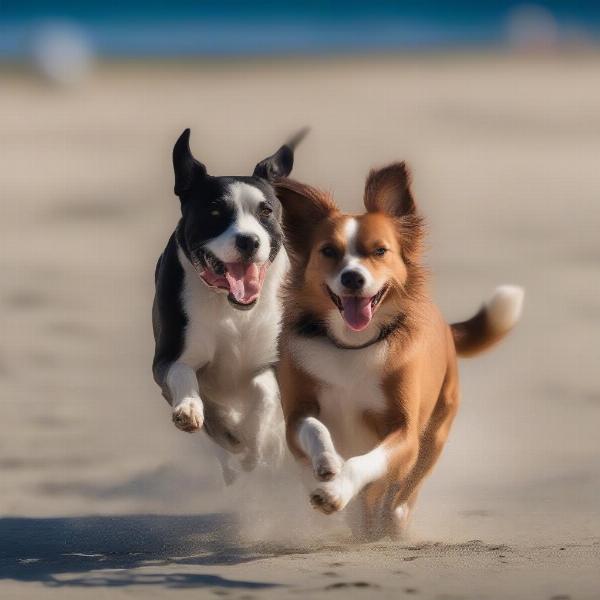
(379, 251)
(265, 211)
(214, 209)
(329, 252)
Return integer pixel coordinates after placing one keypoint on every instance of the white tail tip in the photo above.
(505, 306)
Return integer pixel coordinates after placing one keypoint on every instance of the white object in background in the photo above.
(532, 27)
(61, 52)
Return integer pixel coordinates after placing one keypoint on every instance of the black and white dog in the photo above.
(216, 313)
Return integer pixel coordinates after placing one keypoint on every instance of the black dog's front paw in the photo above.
(188, 415)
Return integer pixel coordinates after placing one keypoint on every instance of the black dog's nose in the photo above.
(247, 243)
(352, 280)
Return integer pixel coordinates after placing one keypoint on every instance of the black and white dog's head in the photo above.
(231, 226)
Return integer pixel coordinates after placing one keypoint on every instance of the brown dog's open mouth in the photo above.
(243, 281)
(357, 311)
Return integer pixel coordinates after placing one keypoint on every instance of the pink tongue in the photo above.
(245, 280)
(357, 312)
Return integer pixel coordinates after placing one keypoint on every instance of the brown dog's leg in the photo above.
(308, 439)
(390, 461)
(431, 445)
(377, 510)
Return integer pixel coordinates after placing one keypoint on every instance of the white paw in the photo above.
(332, 496)
(327, 466)
(188, 415)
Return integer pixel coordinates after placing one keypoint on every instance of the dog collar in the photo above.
(309, 326)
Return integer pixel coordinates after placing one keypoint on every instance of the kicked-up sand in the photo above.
(101, 497)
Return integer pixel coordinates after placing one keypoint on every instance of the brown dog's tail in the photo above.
(495, 319)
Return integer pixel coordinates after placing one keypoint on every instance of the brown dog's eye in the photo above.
(379, 251)
(329, 252)
(265, 211)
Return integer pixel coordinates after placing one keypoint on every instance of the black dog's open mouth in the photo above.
(210, 261)
(357, 311)
(241, 305)
(242, 280)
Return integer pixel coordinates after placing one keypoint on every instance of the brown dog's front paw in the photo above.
(188, 415)
(333, 496)
(327, 466)
(326, 501)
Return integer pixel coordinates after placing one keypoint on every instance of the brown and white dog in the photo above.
(368, 370)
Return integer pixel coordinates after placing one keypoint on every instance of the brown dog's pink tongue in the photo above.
(245, 281)
(357, 312)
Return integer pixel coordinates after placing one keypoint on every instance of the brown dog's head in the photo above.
(354, 272)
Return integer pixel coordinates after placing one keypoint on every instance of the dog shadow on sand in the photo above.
(104, 550)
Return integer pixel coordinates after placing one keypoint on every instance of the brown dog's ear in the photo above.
(388, 190)
(303, 208)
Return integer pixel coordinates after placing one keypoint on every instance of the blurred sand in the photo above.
(505, 155)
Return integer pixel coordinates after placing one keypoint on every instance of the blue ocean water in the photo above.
(236, 27)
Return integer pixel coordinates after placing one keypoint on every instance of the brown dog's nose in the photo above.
(353, 280)
(247, 243)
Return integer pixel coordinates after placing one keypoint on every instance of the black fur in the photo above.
(201, 195)
(187, 168)
(208, 194)
(281, 163)
(308, 325)
(168, 317)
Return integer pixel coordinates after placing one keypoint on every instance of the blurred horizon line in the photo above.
(183, 29)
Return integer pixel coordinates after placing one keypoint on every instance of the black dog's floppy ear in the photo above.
(280, 164)
(185, 165)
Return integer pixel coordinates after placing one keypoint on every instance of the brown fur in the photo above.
(475, 334)
(310, 216)
(420, 376)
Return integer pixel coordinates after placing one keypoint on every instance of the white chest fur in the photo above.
(350, 385)
(228, 346)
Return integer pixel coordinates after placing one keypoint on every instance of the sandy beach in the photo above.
(101, 497)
